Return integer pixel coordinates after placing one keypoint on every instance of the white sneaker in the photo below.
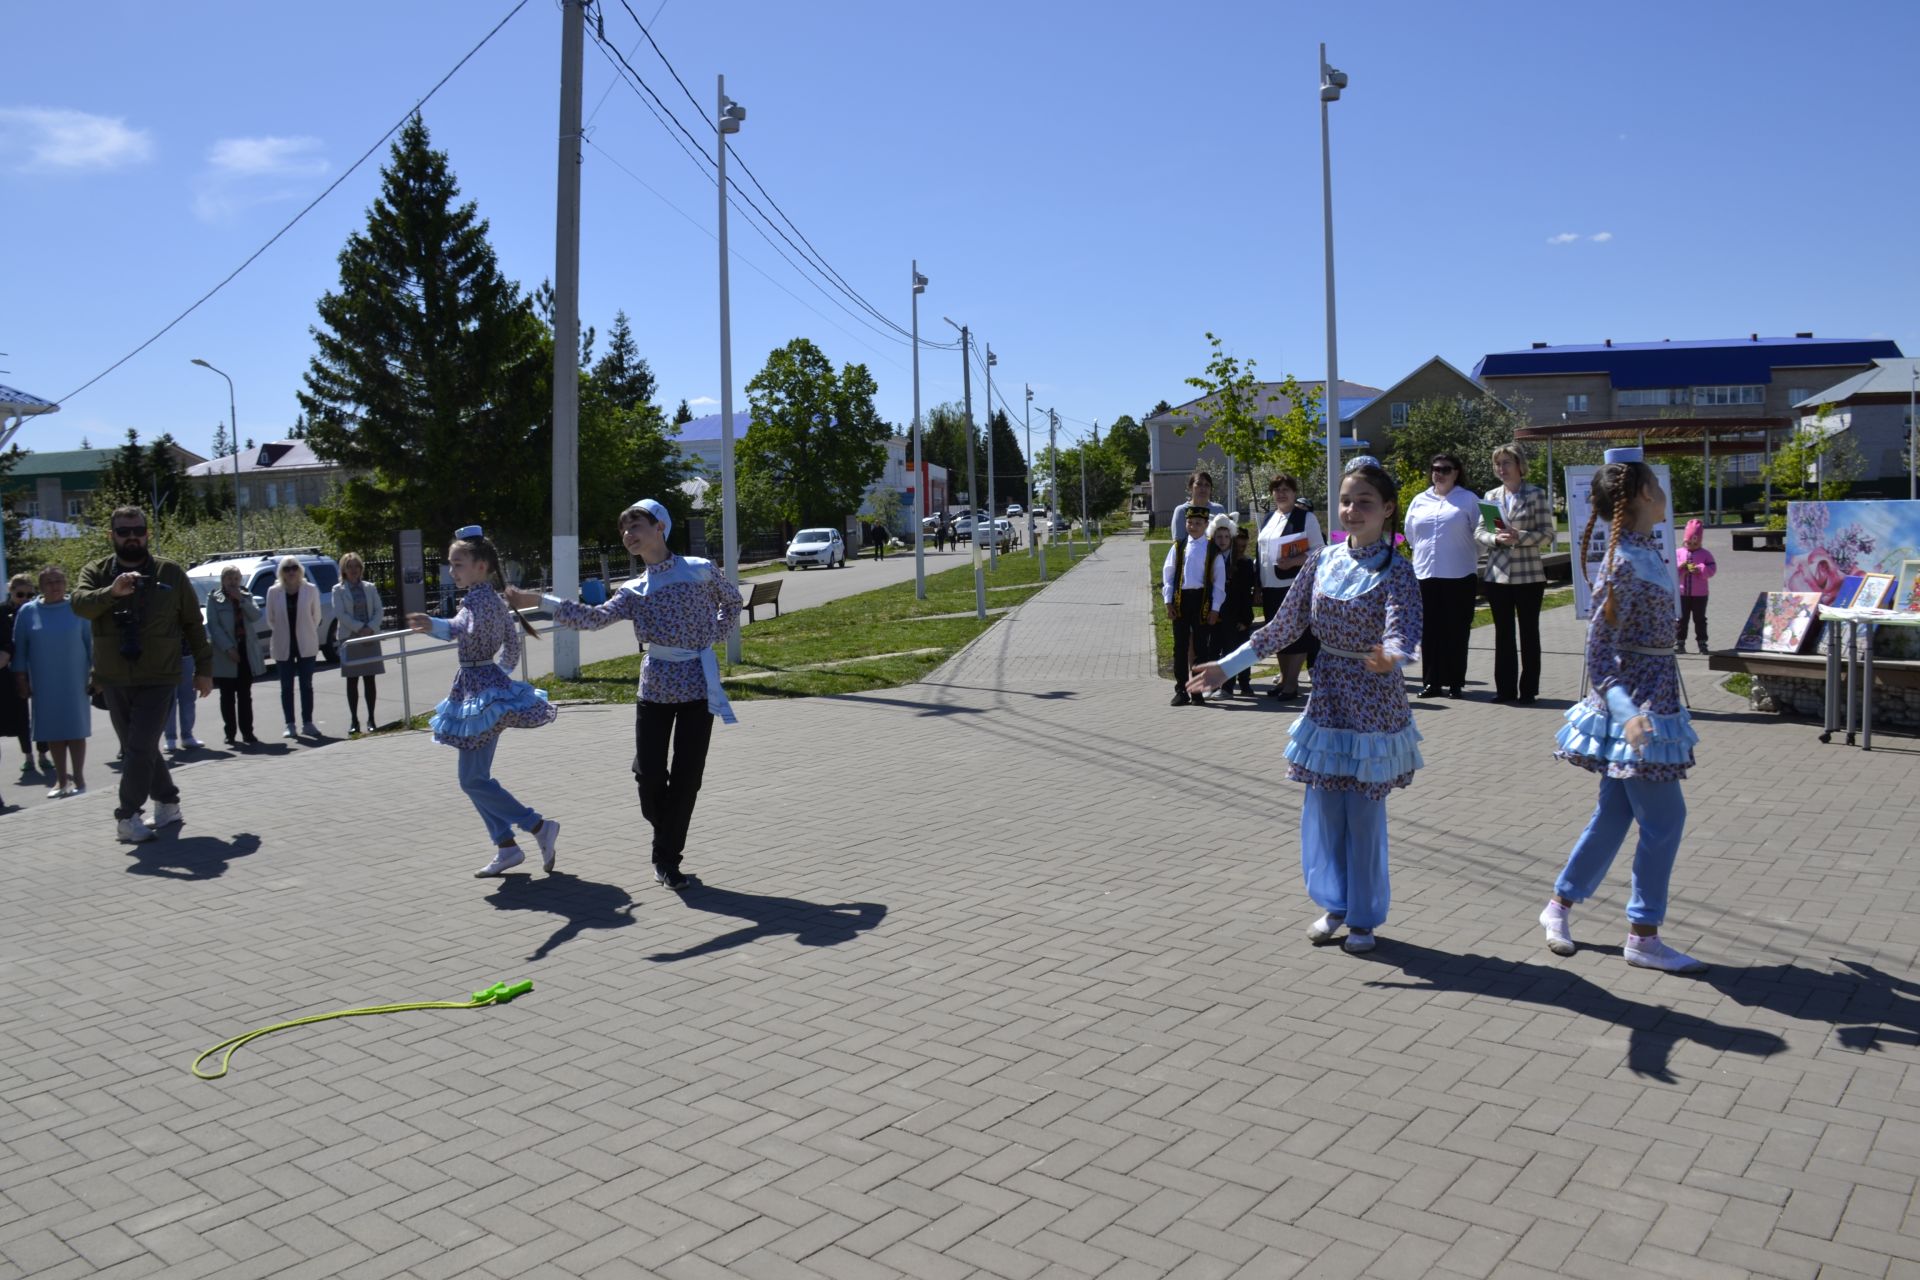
(1554, 920)
(505, 858)
(172, 746)
(1651, 953)
(548, 838)
(192, 744)
(133, 830)
(56, 793)
(291, 732)
(166, 815)
(1325, 927)
(311, 729)
(1358, 941)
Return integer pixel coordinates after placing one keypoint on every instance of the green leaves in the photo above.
(815, 442)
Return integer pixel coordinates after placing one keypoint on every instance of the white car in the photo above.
(817, 546)
(1014, 509)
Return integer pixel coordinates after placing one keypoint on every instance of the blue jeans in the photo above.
(302, 667)
(180, 714)
(1343, 852)
(498, 809)
(1662, 813)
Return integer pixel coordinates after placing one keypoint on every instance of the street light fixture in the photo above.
(1331, 83)
(233, 427)
(730, 114)
(973, 479)
(919, 452)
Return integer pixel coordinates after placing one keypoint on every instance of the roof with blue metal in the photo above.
(1710, 362)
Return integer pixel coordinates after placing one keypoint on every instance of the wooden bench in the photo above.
(764, 593)
(1756, 538)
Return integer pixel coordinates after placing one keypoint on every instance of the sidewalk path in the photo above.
(1001, 975)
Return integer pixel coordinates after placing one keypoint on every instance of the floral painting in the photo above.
(1827, 541)
(1789, 620)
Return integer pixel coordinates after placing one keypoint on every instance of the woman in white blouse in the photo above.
(1284, 541)
(293, 615)
(1446, 559)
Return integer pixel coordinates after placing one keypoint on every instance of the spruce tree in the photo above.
(683, 414)
(622, 374)
(432, 376)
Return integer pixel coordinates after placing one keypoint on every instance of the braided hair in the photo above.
(481, 548)
(1615, 486)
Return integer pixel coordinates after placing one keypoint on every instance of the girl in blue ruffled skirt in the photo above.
(486, 699)
(1356, 741)
(1631, 728)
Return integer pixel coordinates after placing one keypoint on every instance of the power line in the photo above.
(378, 143)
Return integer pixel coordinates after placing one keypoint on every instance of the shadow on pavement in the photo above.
(583, 905)
(1867, 1008)
(924, 708)
(174, 857)
(1652, 1030)
(812, 924)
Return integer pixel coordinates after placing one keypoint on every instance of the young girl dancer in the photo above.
(486, 699)
(1356, 741)
(1630, 728)
(680, 608)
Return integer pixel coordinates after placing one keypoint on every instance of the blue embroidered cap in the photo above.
(658, 512)
(469, 531)
(1359, 461)
(1627, 453)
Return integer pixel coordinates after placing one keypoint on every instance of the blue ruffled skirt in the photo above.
(1352, 759)
(470, 719)
(1589, 739)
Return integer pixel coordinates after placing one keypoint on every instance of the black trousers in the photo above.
(1516, 637)
(1694, 607)
(1447, 623)
(138, 713)
(236, 703)
(1228, 636)
(668, 790)
(1191, 632)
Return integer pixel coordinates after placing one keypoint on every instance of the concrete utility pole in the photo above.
(1086, 534)
(730, 115)
(973, 479)
(993, 502)
(1034, 545)
(919, 452)
(566, 339)
(1053, 477)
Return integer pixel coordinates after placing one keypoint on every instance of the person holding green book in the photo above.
(1516, 575)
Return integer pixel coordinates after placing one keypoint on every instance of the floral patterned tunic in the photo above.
(1626, 682)
(1357, 733)
(485, 698)
(680, 603)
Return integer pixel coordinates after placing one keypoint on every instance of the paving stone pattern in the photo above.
(999, 975)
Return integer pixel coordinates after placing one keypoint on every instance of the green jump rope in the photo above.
(498, 993)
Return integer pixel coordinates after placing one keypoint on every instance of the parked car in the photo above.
(258, 569)
(1057, 524)
(1014, 509)
(817, 546)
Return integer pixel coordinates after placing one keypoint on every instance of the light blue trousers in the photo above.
(498, 809)
(180, 716)
(1661, 812)
(1343, 852)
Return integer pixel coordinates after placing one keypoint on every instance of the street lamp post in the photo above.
(731, 114)
(993, 501)
(973, 479)
(1331, 83)
(919, 452)
(1086, 534)
(1034, 546)
(233, 428)
(1053, 478)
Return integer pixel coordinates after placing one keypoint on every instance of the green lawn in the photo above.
(885, 637)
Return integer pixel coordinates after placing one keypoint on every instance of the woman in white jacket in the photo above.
(293, 614)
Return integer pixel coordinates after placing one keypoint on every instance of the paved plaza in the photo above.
(1001, 975)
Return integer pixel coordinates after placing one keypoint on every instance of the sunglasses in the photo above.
(131, 531)
(1440, 469)
(23, 595)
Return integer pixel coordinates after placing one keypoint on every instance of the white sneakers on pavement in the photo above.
(505, 858)
(1323, 929)
(133, 830)
(311, 729)
(1358, 942)
(1652, 953)
(548, 838)
(1553, 919)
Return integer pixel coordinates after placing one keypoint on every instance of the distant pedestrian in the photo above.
(293, 621)
(140, 608)
(16, 718)
(1631, 729)
(233, 629)
(1357, 740)
(1696, 567)
(680, 607)
(939, 535)
(1516, 576)
(1440, 530)
(1193, 599)
(486, 700)
(52, 667)
(1289, 534)
(182, 715)
(1236, 617)
(357, 613)
(880, 536)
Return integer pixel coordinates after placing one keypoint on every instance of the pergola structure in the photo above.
(15, 408)
(1673, 435)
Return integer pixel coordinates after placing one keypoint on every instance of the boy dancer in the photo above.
(1193, 600)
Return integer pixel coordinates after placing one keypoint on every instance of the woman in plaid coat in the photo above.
(1516, 576)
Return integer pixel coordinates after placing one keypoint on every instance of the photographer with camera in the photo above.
(142, 609)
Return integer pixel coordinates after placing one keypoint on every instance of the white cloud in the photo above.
(267, 155)
(57, 139)
(1602, 237)
(243, 172)
(1565, 237)
(701, 402)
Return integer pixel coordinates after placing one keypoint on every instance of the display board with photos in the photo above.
(1836, 547)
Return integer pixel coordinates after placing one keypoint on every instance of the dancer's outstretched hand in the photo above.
(1378, 662)
(420, 622)
(1206, 678)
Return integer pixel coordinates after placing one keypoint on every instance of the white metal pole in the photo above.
(1553, 542)
(920, 469)
(1053, 477)
(993, 500)
(1086, 533)
(973, 479)
(1331, 403)
(1035, 546)
(233, 425)
(566, 339)
(729, 517)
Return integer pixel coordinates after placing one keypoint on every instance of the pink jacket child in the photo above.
(1694, 565)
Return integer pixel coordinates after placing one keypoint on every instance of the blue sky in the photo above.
(1091, 186)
